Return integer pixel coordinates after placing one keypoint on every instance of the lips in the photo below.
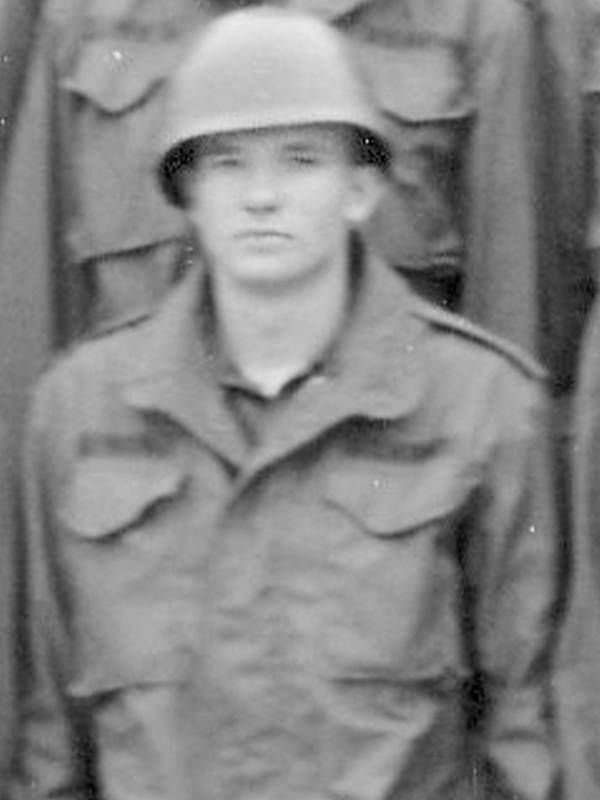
(263, 235)
(264, 241)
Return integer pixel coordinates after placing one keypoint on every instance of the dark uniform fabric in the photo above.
(589, 48)
(301, 616)
(8, 592)
(17, 28)
(565, 286)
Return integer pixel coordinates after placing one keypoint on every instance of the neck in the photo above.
(274, 336)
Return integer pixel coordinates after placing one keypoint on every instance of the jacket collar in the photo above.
(377, 370)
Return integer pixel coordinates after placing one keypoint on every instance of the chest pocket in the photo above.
(393, 578)
(113, 96)
(122, 530)
(110, 495)
(395, 500)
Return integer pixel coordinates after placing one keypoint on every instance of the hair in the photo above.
(369, 150)
(176, 169)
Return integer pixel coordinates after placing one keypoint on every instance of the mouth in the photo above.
(264, 240)
(263, 234)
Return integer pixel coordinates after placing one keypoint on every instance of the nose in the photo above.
(262, 190)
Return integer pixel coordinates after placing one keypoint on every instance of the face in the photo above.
(274, 206)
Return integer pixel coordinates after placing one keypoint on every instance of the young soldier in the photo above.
(284, 531)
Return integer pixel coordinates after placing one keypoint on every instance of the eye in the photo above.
(306, 161)
(223, 161)
(304, 158)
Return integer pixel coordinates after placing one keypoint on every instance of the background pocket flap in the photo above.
(415, 84)
(115, 75)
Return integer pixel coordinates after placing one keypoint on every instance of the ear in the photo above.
(366, 186)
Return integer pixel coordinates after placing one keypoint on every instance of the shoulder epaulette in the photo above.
(118, 324)
(455, 323)
(65, 352)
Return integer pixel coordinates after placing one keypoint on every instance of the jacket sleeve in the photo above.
(512, 556)
(8, 591)
(53, 751)
(501, 271)
(577, 676)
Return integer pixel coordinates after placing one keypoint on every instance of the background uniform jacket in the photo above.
(17, 24)
(306, 618)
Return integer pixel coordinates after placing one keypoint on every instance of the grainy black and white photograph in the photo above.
(299, 400)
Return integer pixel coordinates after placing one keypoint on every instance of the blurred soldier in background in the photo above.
(284, 530)
(94, 100)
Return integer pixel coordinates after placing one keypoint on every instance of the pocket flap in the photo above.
(108, 672)
(389, 499)
(116, 75)
(416, 84)
(108, 494)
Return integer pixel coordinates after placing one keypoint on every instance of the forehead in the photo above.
(321, 137)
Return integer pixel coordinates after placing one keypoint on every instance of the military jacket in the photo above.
(361, 606)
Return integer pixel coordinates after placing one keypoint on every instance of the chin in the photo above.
(268, 272)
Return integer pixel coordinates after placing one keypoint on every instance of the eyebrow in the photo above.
(217, 147)
(323, 144)
(302, 144)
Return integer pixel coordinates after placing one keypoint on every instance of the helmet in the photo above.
(265, 67)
